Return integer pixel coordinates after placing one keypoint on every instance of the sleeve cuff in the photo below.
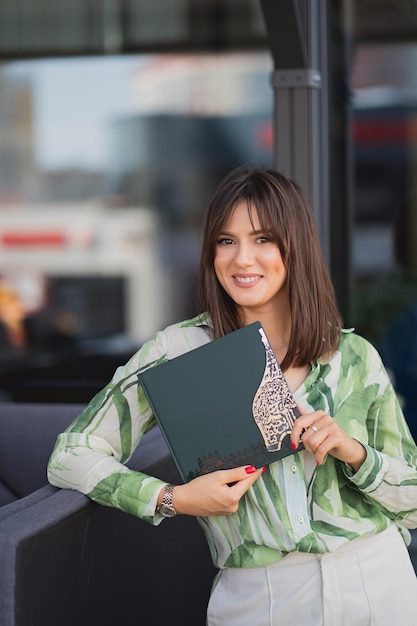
(369, 476)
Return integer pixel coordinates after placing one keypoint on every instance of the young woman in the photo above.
(317, 538)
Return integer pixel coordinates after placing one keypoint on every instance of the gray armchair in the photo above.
(65, 560)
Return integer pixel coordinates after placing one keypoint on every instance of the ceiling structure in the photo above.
(377, 21)
(45, 28)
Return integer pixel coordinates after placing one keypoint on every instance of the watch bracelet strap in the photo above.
(167, 497)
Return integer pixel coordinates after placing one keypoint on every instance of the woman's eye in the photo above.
(263, 239)
(225, 241)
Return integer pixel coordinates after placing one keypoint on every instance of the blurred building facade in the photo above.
(117, 120)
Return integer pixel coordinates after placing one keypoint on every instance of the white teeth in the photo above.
(246, 279)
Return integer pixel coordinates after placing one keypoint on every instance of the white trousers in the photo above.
(367, 582)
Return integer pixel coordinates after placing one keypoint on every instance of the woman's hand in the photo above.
(217, 493)
(321, 435)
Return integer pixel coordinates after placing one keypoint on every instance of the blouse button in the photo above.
(300, 519)
(293, 468)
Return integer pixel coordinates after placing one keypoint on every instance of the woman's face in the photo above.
(249, 266)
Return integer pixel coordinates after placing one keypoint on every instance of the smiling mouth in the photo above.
(246, 279)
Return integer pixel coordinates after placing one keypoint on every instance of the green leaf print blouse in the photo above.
(295, 505)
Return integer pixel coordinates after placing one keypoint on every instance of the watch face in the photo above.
(167, 511)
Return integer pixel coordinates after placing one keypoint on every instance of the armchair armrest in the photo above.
(65, 560)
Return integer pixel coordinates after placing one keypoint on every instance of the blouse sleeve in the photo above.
(90, 455)
(388, 476)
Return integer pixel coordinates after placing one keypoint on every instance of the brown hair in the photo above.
(284, 211)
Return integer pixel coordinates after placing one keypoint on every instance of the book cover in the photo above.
(224, 404)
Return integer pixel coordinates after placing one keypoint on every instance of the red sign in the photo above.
(19, 238)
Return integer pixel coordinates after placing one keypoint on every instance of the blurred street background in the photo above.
(117, 121)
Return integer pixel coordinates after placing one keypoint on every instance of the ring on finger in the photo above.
(314, 428)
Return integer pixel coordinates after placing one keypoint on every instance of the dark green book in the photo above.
(224, 404)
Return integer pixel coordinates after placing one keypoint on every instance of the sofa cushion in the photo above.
(28, 435)
(29, 432)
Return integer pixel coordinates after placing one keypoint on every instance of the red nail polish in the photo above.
(293, 445)
(263, 469)
(250, 469)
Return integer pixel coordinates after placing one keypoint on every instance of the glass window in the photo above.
(106, 165)
(384, 304)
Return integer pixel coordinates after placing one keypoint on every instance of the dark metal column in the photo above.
(297, 37)
(309, 144)
(341, 182)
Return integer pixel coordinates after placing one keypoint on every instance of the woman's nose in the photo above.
(244, 255)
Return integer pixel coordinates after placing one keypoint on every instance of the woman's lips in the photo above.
(246, 280)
